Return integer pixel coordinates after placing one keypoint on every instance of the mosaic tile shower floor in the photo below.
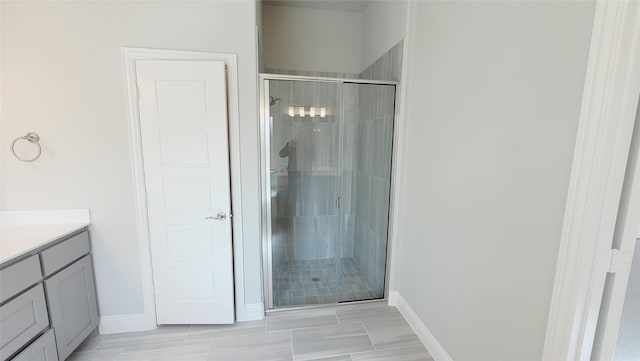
(313, 282)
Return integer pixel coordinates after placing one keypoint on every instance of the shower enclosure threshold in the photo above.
(326, 305)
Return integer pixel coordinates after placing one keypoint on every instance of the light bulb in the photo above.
(292, 112)
(301, 111)
(323, 112)
(312, 112)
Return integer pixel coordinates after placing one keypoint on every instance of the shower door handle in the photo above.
(219, 217)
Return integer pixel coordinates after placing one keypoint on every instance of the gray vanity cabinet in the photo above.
(48, 301)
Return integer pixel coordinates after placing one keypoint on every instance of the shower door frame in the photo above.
(265, 181)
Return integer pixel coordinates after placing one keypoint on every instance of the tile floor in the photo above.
(363, 332)
(312, 282)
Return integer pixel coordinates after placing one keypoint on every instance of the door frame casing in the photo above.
(129, 57)
(607, 117)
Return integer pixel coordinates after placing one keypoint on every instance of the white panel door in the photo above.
(183, 121)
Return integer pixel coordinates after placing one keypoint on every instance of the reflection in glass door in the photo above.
(326, 180)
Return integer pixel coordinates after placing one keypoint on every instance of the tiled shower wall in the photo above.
(372, 174)
(386, 67)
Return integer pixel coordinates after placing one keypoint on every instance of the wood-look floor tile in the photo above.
(159, 336)
(391, 333)
(414, 353)
(194, 350)
(237, 329)
(367, 312)
(301, 319)
(356, 332)
(335, 358)
(90, 344)
(318, 342)
(167, 345)
(272, 346)
(102, 355)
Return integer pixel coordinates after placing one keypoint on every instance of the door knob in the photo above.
(220, 216)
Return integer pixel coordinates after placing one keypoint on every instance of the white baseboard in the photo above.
(136, 322)
(393, 298)
(125, 323)
(253, 312)
(424, 334)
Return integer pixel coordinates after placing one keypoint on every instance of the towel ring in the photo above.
(32, 138)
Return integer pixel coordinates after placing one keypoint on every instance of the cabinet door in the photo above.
(43, 349)
(72, 305)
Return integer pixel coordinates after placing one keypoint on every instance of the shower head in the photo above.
(273, 100)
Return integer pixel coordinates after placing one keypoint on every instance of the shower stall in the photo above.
(326, 180)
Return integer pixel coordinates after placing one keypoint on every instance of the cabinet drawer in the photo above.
(42, 349)
(19, 276)
(21, 319)
(65, 252)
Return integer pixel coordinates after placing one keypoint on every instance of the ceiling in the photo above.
(356, 6)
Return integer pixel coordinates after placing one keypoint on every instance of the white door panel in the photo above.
(184, 148)
(183, 120)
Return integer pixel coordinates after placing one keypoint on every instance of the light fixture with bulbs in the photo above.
(301, 111)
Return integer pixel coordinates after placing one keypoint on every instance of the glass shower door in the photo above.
(328, 149)
(305, 186)
(366, 167)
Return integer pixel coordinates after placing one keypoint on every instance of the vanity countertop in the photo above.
(26, 232)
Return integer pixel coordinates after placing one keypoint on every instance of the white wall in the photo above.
(384, 24)
(62, 77)
(260, 34)
(493, 103)
(305, 39)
